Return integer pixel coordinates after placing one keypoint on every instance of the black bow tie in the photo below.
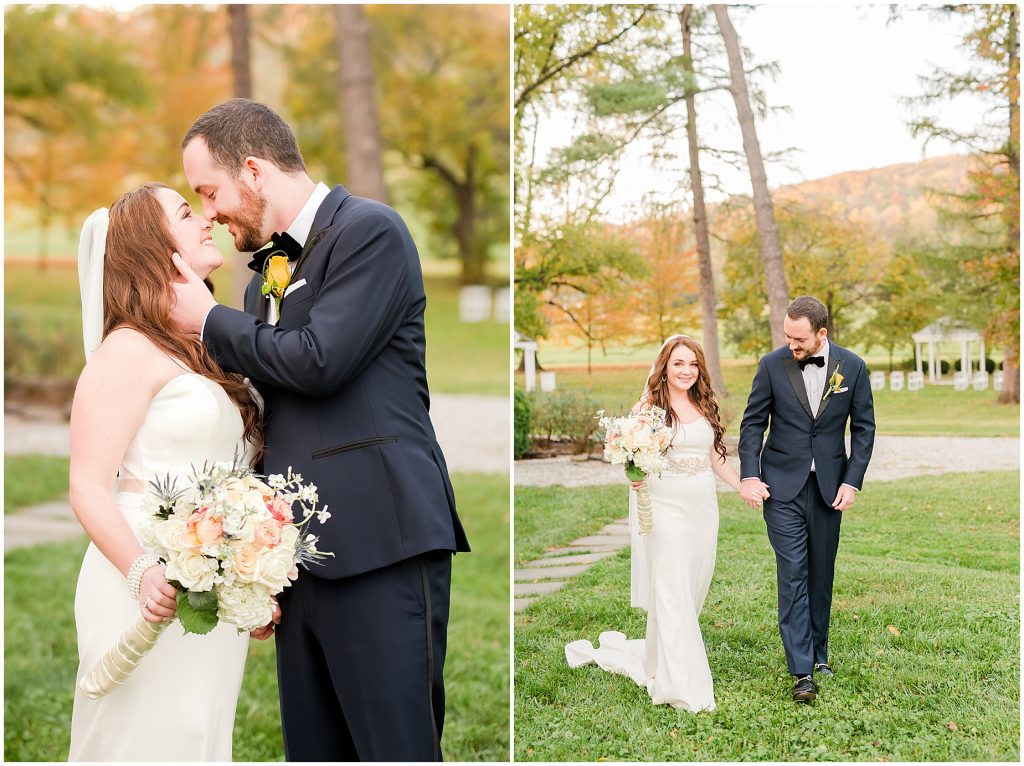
(817, 361)
(280, 244)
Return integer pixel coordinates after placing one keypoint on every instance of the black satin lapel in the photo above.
(823, 405)
(310, 244)
(797, 379)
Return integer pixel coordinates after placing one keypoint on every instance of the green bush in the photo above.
(944, 367)
(990, 365)
(566, 414)
(36, 348)
(521, 424)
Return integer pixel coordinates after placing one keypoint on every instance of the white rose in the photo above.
(167, 535)
(193, 570)
(273, 567)
(289, 537)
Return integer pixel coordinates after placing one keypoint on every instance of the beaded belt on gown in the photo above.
(689, 466)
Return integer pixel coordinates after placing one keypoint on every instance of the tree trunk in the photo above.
(709, 311)
(241, 78)
(1011, 369)
(358, 103)
(767, 229)
(471, 254)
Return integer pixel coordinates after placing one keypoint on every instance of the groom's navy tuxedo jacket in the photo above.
(778, 402)
(344, 384)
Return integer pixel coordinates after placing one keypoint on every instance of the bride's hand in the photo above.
(637, 484)
(262, 634)
(158, 599)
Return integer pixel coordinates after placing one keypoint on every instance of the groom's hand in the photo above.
(192, 298)
(845, 497)
(262, 634)
(753, 491)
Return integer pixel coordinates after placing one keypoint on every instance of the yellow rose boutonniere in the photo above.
(276, 276)
(834, 384)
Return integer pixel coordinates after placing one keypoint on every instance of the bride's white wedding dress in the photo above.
(679, 560)
(179, 703)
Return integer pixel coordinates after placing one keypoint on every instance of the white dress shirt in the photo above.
(814, 381)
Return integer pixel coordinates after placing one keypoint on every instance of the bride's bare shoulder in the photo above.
(126, 351)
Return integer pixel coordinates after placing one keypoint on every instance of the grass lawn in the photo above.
(33, 479)
(41, 656)
(925, 641)
(547, 517)
(933, 411)
(43, 319)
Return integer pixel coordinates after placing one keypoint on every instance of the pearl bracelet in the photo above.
(139, 567)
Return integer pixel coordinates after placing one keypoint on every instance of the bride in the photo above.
(673, 564)
(149, 402)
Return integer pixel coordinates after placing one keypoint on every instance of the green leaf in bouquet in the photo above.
(204, 601)
(633, 473)
(194, 620)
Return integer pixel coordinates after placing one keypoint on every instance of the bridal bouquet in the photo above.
(230, 543)
(638, 442)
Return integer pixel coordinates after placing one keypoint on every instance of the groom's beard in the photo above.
(248, 220)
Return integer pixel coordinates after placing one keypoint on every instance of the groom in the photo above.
(340, 365)
(805, 393)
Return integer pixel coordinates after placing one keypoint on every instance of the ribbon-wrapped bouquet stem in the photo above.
(230, 542)
(639, 442)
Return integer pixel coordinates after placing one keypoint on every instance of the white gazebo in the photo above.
(946, 330)
(529, 348)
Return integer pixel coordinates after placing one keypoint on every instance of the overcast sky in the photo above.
(843, 74)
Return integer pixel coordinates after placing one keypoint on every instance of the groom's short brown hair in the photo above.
(811, 308)
(241, 128)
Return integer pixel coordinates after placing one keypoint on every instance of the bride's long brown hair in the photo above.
(700, 393)
(137, 276)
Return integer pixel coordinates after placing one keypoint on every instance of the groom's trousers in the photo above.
(804, 532)
(360, 662)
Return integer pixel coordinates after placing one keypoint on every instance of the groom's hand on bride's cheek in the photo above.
(192, 298)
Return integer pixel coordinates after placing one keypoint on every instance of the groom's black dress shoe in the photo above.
(805, 689)
(823, 669)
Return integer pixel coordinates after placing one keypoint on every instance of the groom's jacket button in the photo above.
(813, 434)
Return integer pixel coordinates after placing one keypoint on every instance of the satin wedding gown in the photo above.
(679, 560)
(179, 703)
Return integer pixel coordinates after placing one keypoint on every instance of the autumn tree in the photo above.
(664, 300)
(831, 259)
(906, 299)
(989, 211)
(68, 80)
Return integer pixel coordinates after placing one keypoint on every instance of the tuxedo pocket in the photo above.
(362, 444)
(302, 292)
(293, 287)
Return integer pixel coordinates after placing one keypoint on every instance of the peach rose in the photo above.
(268, 532)
(280, 509)
(209, 529)
(244, 562)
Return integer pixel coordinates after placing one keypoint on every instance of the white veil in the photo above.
(91, 249)
(639, 586)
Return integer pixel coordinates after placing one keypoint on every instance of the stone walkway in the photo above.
(894, 457)
(473, 432)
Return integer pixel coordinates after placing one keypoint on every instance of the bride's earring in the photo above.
(664, 378)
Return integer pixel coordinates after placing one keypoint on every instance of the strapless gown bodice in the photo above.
(191, 418)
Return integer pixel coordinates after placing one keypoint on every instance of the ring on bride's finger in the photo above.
(146, 605)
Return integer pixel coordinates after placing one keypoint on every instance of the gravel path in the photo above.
(894, 457)
(473, 432)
